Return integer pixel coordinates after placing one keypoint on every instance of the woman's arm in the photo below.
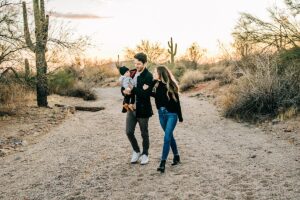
(179, 113)
(141, 92)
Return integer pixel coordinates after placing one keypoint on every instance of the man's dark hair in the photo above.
(141, 57)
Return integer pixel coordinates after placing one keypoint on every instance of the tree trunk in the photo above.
(42, 83)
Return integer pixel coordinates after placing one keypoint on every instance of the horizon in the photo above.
(113, 25)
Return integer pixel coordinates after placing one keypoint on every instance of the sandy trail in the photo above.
(87, 157)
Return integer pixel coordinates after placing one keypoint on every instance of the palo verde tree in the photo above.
(281, 32)
(154, 51)
(194, 54)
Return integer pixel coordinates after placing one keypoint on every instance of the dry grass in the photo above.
(14, 95)
(190, 79)
(95, 72)
(262, 93)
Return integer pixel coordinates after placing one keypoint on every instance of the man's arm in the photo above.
(140, 92)
(122, 91)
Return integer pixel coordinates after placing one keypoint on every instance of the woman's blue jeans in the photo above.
(168, 122)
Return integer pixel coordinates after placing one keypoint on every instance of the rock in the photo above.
(16, 141)
(24, 143)
(275, 121)
(2, 153)
(288, 129)
(253, 156)
(18, 158)
(72, 109)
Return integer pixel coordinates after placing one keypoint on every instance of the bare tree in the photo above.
(10, 36)
(154, 51)
(282, 32)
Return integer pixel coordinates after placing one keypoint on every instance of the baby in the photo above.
(125, 81)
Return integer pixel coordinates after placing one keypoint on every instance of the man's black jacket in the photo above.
(143, 103)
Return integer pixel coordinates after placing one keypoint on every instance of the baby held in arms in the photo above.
(126, 80)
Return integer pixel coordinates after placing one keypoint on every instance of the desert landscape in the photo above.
(87, 156)
(234, 64)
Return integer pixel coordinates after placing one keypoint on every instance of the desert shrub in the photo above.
(62, 81)
(66, 82)
(213, 73)
(190, 79)
(289, 58)
(81, 90)
(229, 74)
(14, 95)
(95, 73)
(262, 93)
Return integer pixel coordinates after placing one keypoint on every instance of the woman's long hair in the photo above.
(167, 78)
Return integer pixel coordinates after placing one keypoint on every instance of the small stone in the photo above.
(16, 141)
(2, 153)
(253, 156)
(275, 121)
(24, 143)
(18, 158)
(288, 129)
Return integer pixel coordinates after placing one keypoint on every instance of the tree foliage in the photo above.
(282, 32)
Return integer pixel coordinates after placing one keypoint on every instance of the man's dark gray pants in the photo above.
(131, 122)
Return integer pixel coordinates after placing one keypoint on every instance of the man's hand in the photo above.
(127, 91)
(130, 86)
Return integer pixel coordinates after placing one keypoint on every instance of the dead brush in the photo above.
(260, 92)
(14, 96)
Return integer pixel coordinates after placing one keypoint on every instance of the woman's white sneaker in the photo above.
(144, 159)
(135, 157)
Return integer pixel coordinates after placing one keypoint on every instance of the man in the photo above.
(143, 109)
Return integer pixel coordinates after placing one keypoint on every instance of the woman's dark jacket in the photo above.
(159, 92)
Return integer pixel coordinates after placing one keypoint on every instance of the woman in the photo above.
(165, 91)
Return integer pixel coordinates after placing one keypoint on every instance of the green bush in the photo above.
(66, 82)
(61, 81)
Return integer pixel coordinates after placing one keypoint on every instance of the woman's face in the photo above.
(155, 74)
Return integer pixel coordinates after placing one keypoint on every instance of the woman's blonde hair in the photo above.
(167, 78)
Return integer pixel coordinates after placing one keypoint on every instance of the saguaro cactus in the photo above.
(39, 47)
(172, 50)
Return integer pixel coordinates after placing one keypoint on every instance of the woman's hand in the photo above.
(145, 86)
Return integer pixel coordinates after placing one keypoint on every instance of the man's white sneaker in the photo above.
(144, 159)
(135, 157)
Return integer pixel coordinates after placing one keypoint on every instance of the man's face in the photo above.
(139, 65)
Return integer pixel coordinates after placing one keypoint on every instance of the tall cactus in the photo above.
(39, 47)
(172, 50)
(117, 63)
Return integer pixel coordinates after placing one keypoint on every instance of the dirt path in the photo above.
(87, 157)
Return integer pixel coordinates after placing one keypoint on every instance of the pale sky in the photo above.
(116, 24)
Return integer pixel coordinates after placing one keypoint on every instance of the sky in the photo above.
(114, 25)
